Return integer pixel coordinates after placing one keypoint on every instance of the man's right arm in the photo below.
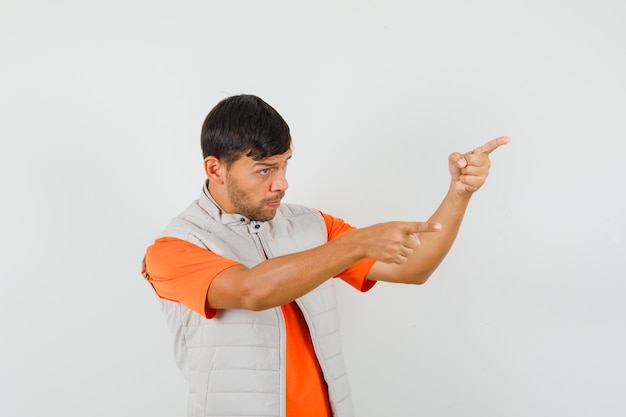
(280, 280)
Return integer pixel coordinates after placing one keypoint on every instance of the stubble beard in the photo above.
(244, 205)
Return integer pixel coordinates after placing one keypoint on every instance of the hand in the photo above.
(393, 242)
(469, 171)
(144, 273)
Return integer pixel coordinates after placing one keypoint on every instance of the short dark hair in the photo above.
(244, 125)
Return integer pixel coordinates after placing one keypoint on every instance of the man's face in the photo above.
(255, 188)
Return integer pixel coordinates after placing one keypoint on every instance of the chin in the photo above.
(267, 216)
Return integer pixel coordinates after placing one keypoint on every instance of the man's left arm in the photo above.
(469, 172)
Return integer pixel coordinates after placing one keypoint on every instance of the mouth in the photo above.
(275, 203)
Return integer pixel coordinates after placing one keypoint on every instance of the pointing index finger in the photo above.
(492, 145)
(420, 227)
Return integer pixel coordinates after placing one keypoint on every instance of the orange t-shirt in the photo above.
(182, 272)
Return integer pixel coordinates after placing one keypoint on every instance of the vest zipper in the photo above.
(283, 333)
(262, 244)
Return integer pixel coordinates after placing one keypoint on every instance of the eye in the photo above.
(264, 171)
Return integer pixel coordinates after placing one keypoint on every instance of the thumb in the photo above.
(456, 162)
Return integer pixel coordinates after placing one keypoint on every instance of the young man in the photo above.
(244, 278)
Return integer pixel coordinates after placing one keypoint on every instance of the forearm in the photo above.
(280, 280)
(435, 246)
(469, 172)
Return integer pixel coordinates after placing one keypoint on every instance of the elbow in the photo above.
(255, 304)
(254, 299)
(238, 288)
(420, 278)
(252, 302)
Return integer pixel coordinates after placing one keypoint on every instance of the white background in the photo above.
(101, 105)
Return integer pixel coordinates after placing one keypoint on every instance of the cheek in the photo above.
(261, 184)
(257, 190)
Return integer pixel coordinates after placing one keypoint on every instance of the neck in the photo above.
(217, 192)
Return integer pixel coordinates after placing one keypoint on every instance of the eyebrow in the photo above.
(269, 164)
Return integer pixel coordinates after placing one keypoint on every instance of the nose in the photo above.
(279, 182)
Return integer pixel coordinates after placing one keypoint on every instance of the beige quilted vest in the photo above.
(235, 362)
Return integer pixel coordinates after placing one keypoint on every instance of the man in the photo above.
(245, 277)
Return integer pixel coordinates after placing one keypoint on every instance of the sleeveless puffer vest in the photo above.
(235, 362)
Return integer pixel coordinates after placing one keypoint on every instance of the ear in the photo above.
(215, 170)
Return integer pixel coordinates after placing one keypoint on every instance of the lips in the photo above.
(275, 203)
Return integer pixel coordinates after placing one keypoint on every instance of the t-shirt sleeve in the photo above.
(354, 274)
(182, 272)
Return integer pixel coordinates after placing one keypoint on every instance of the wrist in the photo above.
(459, 195)
(349, 246)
